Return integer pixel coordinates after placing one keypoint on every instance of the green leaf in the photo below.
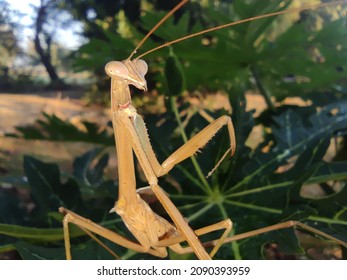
(43, 178)
(36, 234)
(31, 252)
(11, 209)
(174, 74)
(82, 164)
(47, 190)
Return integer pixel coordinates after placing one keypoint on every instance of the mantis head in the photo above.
(133, 71)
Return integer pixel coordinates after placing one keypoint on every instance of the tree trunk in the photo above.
(45, 55)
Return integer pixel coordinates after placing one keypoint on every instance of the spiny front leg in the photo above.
(200, 140)
(189, 148)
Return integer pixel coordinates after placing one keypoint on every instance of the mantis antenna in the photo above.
(302, 8)
(178, 6)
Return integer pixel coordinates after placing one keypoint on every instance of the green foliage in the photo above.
(9, 47)
(277, 56)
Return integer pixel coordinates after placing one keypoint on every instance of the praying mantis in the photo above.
(153, 233)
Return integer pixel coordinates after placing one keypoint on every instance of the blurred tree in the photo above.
(49, 18)
(43, 36)
(9, 43)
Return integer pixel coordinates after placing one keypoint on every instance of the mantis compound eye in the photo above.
(142, 65)
(116, 68)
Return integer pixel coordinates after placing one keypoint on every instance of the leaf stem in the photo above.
(254, 207)
(261, 88)
(185, 140)
(234, 245)
(279, 212)
(327, 220)
(199, 212)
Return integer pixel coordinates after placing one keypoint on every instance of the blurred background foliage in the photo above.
(295, 168)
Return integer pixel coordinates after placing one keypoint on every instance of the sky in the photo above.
(68, 37)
